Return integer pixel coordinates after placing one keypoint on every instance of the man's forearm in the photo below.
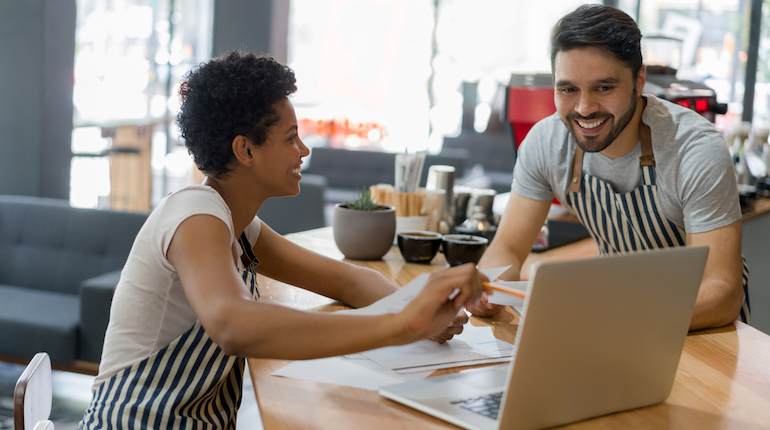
(717, 305)
(496, 257)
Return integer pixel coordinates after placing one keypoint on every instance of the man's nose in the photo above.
(586, 104)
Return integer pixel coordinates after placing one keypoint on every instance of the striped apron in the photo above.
(628, 222)
(190, 383)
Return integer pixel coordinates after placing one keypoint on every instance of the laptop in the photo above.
(597, 336)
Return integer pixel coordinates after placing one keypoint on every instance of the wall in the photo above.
(755, 245)
(37, 42)
(259, 26)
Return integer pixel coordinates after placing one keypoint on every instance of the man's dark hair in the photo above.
(603, 27)
(231, 95)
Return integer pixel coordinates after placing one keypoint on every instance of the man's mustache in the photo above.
(593, 116)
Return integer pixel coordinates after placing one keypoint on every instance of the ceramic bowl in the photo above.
(419, 246)
(463, 248)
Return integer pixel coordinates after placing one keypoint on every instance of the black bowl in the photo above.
(463, 248)
(419, 246)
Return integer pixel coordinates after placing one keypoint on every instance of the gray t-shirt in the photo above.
(694, 173)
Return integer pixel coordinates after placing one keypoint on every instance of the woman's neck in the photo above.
(243, 206)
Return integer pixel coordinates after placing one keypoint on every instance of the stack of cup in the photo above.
(442, 177)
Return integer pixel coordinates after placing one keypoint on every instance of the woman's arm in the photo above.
(203, 257)
(288, 262)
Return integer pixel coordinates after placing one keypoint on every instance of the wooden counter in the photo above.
(723, 379)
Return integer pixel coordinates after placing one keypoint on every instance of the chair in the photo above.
(33, 395)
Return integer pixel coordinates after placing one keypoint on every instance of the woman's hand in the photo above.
(435, 312)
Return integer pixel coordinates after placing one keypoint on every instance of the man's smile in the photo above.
(591, 124)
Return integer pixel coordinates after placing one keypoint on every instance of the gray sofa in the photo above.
(297, 213)
(59, 266)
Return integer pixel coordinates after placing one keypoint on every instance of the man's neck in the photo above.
(629, 137)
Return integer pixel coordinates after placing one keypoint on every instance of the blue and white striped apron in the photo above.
(190, 383)
(630, 221)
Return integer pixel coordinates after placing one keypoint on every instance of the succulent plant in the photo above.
(363, 202)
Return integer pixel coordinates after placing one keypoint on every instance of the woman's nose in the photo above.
(303, 149)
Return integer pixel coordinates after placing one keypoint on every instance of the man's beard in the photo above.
(592, 143)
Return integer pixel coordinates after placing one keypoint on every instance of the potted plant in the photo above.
(364, 229)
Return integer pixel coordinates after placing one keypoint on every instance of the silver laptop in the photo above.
(597, 336)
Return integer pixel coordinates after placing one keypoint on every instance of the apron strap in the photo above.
(248, 258)
(647, 159)
(577, 171)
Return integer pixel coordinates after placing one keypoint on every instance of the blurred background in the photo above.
(385, 75)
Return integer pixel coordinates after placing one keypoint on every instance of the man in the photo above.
(640, 173)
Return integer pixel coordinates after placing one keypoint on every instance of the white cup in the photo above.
(410, 223)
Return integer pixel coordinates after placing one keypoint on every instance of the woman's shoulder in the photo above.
(193, 200)
(196, 197)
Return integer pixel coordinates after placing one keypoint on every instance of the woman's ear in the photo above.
(242, 150)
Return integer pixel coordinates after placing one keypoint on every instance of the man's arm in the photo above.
(721, 291)
(519, 226)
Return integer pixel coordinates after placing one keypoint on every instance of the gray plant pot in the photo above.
(364, 235)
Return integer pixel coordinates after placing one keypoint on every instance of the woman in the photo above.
(186, 310)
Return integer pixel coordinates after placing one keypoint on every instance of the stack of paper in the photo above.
(372, 369)
(514, 301)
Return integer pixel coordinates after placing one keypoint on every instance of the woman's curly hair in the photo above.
(229, 96)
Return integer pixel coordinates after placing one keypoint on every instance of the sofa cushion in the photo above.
(297, 213)
(70, 244)
(95, 302)
(32, 321)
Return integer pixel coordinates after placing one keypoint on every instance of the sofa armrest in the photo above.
(95, 301)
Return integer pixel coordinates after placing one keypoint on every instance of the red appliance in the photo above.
(529, 99)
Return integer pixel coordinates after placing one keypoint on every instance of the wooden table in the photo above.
(723, 381)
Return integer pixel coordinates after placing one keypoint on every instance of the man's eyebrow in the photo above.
(608, 80)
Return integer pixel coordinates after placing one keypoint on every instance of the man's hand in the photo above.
(485, 309)
(456, 327)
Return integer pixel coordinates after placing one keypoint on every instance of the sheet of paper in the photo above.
(500, 298)
(350, 372)
(494, 272)
(394, 302)
(473, 346)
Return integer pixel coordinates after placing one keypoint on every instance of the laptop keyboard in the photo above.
(487, 405)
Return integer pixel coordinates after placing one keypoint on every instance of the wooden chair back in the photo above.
(33, 395)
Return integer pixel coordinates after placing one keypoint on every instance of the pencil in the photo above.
(489, 286)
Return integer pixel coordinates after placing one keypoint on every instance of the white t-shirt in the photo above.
(149, 308)
(694, 173)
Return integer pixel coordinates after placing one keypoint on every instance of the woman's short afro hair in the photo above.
(231, 95)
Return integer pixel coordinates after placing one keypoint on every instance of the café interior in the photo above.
(423, 103)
